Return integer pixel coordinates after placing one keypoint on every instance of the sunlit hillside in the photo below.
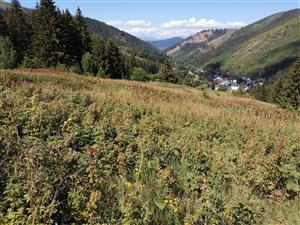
(260, 49)
(77, 149)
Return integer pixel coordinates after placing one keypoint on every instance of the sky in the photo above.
(161, 19)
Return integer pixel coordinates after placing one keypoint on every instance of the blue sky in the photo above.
(169, 18)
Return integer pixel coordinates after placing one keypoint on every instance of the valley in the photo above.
(258, 50)
(100, 127)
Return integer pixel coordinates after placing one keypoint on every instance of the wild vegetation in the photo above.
(80, 149)
(77, 149)
(28, 40)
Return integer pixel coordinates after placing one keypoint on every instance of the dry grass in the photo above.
(171, 98)
(226, 126)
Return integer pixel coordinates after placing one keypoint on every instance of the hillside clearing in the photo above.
(79, 149)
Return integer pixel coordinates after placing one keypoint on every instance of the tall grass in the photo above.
(84, 150)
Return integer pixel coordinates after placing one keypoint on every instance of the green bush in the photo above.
(75, 69)
(139, 74)
(62, 67)
(155, 77)
(101, 73)
(223, 88)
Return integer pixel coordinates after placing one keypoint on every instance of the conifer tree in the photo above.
(133, 60)
(3, 26)
(114, 66)
(68, 38)
(99, 54)
(83, 38)
(167, 72)
(47, 35)
(287, 88)
(7, 53)
(19, 30)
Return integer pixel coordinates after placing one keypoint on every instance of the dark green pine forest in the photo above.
(48, 37)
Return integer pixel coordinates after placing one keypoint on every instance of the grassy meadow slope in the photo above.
(83, 150)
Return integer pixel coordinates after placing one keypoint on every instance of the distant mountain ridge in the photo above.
(201, 43)
(260, 49)
(164, 44)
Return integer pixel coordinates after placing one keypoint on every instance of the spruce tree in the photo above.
(83, 38)
(133, 60)
(7, 53)
(114, 66)
(68, 38)
(19, 30)
(99, 54)
(47, 35)
(287, 88)
(3, 26)
(167, 71)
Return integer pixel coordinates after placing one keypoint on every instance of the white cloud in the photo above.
(130, 23)
(115, 22)
(200, 24)
(183, 28)
(138, 23)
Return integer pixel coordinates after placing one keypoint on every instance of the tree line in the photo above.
(283, 90)
(48, 37)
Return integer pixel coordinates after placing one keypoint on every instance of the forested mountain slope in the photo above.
(130, 42)
(257, 50)
(263, 48)
(200, 44)
(146, 55)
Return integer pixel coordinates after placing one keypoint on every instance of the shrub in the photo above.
(32, 62)
(75, 69)
(155, 77)
(139, 74)
(101, 73)
(190, 81)
(61, 66)
(223, 88)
